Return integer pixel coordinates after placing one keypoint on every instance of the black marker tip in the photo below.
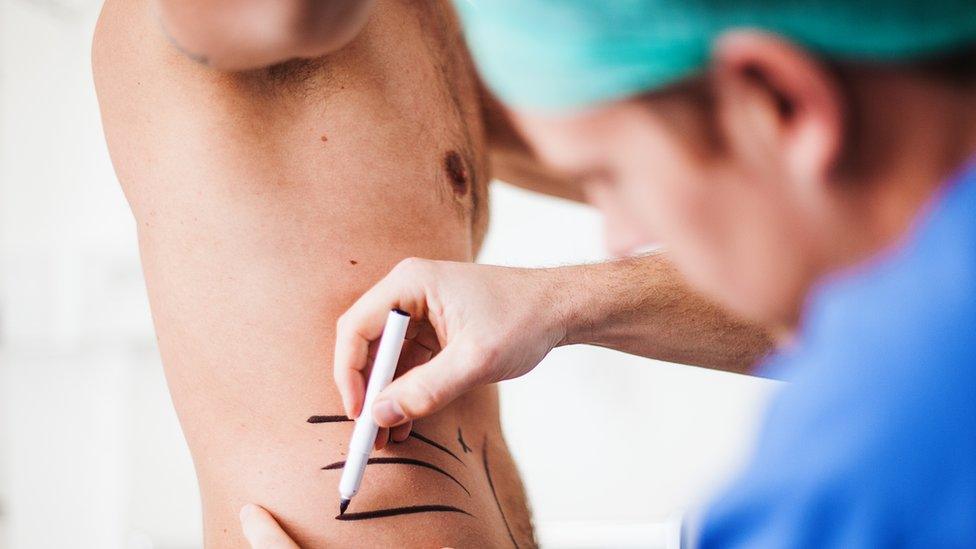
(343, 505)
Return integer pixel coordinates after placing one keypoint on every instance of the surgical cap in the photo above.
(554, 55)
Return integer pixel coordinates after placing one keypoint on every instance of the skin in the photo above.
(753, 194)
(266, 202)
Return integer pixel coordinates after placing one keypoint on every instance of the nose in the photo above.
(620, 237)
(621, 240)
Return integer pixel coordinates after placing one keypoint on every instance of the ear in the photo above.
(775, 102)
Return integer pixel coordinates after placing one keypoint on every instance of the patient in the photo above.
(266, 202)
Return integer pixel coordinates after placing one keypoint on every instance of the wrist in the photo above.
(578, 302)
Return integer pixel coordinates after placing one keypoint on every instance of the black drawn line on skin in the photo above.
(464, 447)
(394, 511)
(425, 440)
(328, 419)
(401, 461)
(484, 459)
(413, 434)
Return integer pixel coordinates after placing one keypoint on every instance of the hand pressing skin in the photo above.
(262, 531)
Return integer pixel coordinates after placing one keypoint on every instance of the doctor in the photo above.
(809, 165)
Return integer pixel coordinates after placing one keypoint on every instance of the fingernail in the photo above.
(388, 413)
(247, 511)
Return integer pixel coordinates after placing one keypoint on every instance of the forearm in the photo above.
(240, 35)
(642, 306)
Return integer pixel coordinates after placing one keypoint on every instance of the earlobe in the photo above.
(800, 100)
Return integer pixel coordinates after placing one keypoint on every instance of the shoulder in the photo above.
(872, 442)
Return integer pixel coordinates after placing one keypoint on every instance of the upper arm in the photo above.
(240, 35)
(512, 158)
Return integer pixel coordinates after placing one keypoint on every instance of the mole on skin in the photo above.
(457, 173)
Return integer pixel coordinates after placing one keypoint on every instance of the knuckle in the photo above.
(342, 323)
(408, 265)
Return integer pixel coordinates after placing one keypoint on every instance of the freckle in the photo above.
(457, 173)
(353, 262)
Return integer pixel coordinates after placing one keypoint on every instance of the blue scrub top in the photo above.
(873, 444)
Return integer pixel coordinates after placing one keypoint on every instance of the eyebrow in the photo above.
(394, 511)
(401, 461)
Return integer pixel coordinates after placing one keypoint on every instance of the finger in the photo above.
(382, 438)
(262, 531)
(426, 388)
(353, 338)
(363, 323)
(401, 432)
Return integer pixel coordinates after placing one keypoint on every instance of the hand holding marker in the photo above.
(364, 434)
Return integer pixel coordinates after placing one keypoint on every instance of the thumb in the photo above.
(262, 531)
(426, 388)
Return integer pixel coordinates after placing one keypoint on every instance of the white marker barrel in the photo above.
(364, 434)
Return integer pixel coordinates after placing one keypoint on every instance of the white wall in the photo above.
(90, 451)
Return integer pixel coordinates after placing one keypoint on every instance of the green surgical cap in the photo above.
(553, 55)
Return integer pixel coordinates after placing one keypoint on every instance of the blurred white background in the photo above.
(90, 451)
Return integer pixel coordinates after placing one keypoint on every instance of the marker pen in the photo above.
(364, 433)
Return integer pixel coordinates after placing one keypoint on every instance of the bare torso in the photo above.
(266, 202)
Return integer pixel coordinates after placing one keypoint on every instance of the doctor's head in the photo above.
(750, 141)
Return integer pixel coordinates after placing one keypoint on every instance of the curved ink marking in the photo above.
(413, 434)
(327, 419)
(400, 461)
(484, 459)
(464, 446)
(392, 512)
(425, 440)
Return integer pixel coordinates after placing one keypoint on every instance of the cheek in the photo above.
(663, 199)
